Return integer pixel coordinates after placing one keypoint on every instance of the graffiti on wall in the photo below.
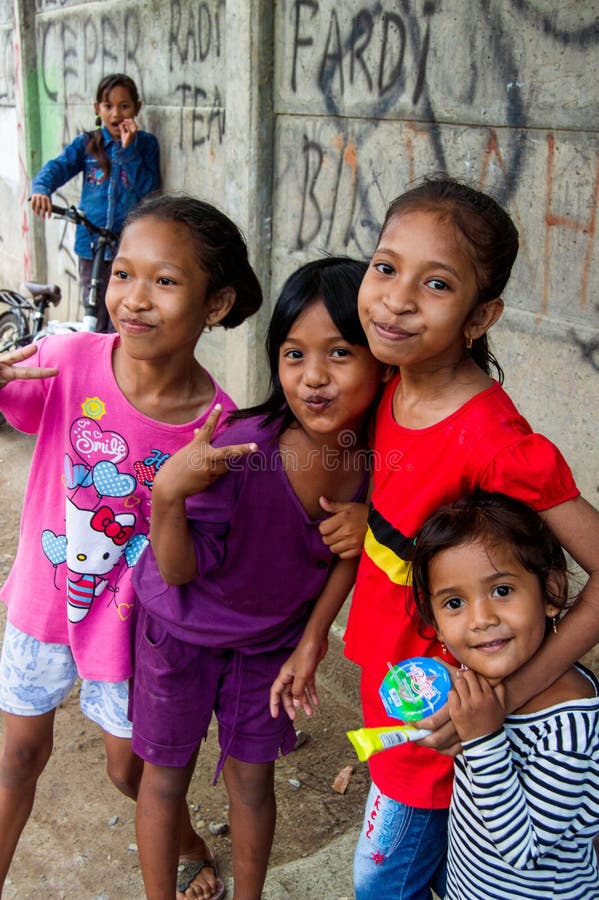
(195, 37)
(7, 72)
(377, 66)
(369, 53)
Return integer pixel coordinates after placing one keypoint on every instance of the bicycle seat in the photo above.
(39, 292)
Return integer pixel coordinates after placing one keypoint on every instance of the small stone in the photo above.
(132, 848)
(342, 780)
(217, 828)
(300, 739)
(295, 783)
(113, 821)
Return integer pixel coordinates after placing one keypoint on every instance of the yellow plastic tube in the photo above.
(367, 741)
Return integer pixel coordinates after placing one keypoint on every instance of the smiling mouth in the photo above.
(490, 646)
(136, 324)
(392, 332)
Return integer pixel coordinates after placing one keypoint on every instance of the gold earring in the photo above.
(443, 649)
(469, 343)
(554, 623)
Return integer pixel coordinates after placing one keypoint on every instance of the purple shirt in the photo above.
(261, 560)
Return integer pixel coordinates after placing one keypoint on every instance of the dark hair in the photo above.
(95, 143)
(490, 237)
(220, 247)
(491, 518)
(336, 281)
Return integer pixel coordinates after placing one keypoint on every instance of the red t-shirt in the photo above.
(485, 444)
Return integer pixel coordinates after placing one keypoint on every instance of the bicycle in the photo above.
(26, 320)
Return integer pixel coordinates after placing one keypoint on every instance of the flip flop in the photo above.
(188, 869)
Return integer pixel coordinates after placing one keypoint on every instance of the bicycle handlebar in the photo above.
(74, 215)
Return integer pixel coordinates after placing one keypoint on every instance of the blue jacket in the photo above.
(134, 172)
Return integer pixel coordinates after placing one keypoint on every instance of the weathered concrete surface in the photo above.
(304, 118)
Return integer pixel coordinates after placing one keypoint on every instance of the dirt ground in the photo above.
(80, 839)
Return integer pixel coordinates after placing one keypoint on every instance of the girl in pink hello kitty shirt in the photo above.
(108, 410)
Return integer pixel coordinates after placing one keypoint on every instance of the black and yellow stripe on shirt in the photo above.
(387, 548)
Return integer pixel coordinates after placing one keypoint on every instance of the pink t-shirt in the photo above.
(86, 511)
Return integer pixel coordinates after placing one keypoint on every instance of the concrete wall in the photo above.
(304, 118)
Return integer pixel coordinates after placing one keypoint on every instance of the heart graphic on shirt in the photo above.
(124, 611)
(93, 444)
(146, 510)
(144, 474)
(54, 546)
(76, 474)
(109, 482)
(135, 548)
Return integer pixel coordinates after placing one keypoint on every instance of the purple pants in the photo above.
(178, 686)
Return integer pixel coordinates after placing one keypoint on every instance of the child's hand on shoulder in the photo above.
(196, 466)
(475, 706)
(10, 372)
(345, 529)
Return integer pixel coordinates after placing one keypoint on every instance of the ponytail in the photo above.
(95, 147)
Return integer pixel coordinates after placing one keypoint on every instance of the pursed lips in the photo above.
(317, 401)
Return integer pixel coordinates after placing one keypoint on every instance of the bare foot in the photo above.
(205, 884)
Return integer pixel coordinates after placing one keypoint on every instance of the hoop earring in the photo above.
(554, 624)
(469, 343)
(98, 121)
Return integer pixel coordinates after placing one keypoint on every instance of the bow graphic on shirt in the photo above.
(105, 521)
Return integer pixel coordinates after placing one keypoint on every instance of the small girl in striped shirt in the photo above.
(491, 579)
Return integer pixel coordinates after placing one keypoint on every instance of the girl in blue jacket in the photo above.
(120, 165)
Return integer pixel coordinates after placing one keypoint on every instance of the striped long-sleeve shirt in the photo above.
(525, 808)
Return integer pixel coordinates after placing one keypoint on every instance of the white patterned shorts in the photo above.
(36, 677)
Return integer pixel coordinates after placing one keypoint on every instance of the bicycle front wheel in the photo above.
(12, 329)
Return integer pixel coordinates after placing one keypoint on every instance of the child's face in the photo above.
(489, 609)
(114, 108)
(418, 293)
(156, 294)
(329, 383)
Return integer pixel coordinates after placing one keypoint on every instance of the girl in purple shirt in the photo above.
(237, 571)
